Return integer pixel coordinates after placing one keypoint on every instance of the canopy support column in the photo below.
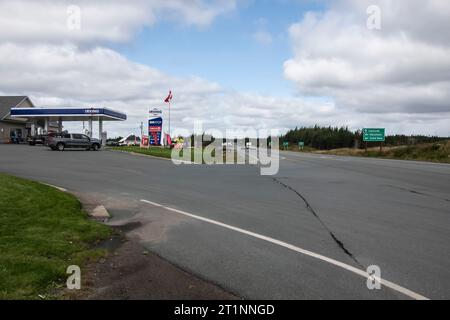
(100, 131)
(90, 127)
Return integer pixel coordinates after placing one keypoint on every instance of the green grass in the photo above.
(42, 232)
(196, 154)
(155, 152)
(431, 152)
(435, 152)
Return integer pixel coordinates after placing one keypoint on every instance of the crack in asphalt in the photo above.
(311, 209)
(418, 192)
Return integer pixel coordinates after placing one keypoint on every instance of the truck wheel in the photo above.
(60, 146)
(95, 147)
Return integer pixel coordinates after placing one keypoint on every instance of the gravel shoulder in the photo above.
(130, 272)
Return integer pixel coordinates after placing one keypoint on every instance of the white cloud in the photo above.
(401, 71)
(67, 76)
(58, 68)
(101, 21)
(88, 74)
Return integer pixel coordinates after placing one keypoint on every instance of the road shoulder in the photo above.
(130, 272)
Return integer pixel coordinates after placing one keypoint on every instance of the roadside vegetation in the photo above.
(438, 152)
(433, 152)
(152, 151)
(341, 141)
(196, 153)
(338, 141)
(42, 232)
(329, 138)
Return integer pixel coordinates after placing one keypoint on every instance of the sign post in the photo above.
(301, 145)
(155, 125)
(374, 135)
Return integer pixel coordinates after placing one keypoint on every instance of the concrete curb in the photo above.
(99, 212)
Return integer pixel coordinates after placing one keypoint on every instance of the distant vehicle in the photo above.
(112, 143)
(39, 139)
(73, 141)
(129, 144)
(227, 146)
(131, 140)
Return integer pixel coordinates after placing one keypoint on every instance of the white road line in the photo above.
(56, 187)
(342, 265)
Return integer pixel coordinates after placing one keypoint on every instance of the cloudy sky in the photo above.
(235, 63)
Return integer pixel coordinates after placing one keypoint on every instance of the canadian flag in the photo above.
(169, 97)
(168, 139)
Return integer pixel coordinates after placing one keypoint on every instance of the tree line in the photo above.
(324, 138)
(327, 138)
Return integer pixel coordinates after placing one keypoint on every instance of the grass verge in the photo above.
(196, 154)
(42, 232)
(155, 152)
(432, 152)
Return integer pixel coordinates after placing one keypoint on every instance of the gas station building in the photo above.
(27, 119)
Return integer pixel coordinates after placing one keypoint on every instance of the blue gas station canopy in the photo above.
(69, 114)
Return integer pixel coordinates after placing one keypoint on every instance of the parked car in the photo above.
(130, 141)
(64, 141)
(38, 139)
(112, 144)
(130, 144)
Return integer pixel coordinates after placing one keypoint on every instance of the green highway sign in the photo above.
(301, 145)
(286, 144)
(374, 135)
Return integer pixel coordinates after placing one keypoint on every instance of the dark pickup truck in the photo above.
(39, 139)
(73, 141)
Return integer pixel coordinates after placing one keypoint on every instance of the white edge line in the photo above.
(56, 187)
(342, 265)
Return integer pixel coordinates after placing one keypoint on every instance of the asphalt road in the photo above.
(358, 212)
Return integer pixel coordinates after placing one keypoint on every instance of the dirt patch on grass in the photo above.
(130, 272)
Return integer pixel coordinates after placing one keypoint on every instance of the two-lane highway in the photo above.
(298, 235)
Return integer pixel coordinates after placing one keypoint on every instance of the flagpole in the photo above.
(169, 120)
(169, 97)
